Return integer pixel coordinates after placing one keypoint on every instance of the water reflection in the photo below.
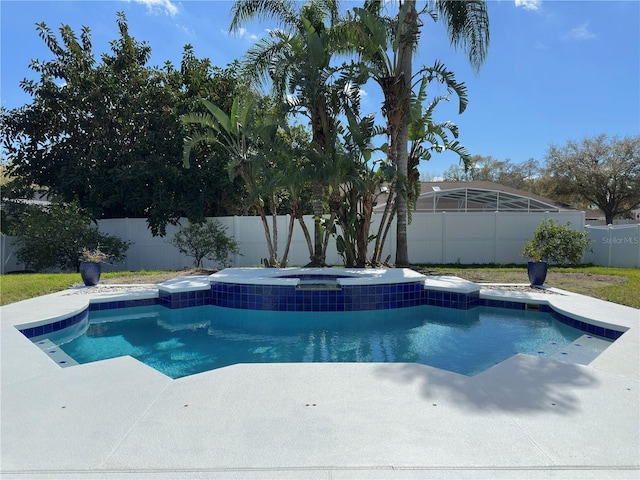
(181, 342)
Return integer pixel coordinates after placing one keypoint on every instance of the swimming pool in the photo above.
(317, 315)
(186, 341)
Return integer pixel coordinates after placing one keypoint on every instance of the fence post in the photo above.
(235, 237)
(444, 236)
(609, 254)
(127, 226)
(495, 236)
(638, 238)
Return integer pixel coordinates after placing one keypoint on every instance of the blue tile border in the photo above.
(462, 301)
(193, 298)
(123, 304)
(55, 326)
(572, 322)
(488, 302)
(346, 298)
(580, 325)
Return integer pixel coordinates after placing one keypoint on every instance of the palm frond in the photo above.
(282, 11)
(467, 23)
(206, 137)
(220, 117)
(440, 73)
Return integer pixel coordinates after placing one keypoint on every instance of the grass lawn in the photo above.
(16, 287)
(619, 285)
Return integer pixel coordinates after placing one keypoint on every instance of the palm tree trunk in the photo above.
(409, 26)
(362, 236)
(385, 221)
(285, 255)
(307, 236)
(267, 234)
(317, 260)
(274, 221)
(327, 234)
(387, 227)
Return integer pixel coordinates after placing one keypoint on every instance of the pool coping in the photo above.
(496, 409)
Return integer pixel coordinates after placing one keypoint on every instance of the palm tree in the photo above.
(426, 136)
(248, 139)
(297, 60)
(359, 185)
(386, 46)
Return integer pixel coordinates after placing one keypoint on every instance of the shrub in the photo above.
(205, 240)
(556, 243)
(52, 237)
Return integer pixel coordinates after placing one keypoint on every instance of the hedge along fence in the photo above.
(434, 238)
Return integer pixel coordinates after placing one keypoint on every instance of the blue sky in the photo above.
(556, 70)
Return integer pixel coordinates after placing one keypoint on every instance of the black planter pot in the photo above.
(90, 273)
(537, 272)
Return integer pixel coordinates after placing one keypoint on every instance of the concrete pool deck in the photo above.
(527, 417)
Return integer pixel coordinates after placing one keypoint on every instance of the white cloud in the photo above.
(529, 4)
(186, 30)
(582, 32)
(243, 33)
(160, 6)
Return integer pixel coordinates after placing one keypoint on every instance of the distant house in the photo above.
(478, 196)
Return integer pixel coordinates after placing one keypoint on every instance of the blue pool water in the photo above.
(181, 342)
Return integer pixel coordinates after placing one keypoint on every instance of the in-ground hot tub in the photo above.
(320, 290)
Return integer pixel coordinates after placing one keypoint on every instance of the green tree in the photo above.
(292, 177)
(386, 45)
(427, 136)
(357, 184)
(604, 171)
(380, 42)
(53, 237)
(297, 61)
(505, 172)
(467, 25)
(248, 135)
(108, 132)
(205, 240)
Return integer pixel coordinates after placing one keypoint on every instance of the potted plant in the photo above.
(556, 243)
(91, 265)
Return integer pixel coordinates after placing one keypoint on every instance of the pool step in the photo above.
(582, 351)
(56, 354)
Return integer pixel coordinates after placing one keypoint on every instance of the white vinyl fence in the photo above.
(615, 246)
(434, 238)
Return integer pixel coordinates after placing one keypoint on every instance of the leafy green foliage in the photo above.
(55, 237)
(108, 132)
(523, 175)
(384, 45)
(248, 135)
(556, 243)
(601, 171)
(207, 240)
(297, 62)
